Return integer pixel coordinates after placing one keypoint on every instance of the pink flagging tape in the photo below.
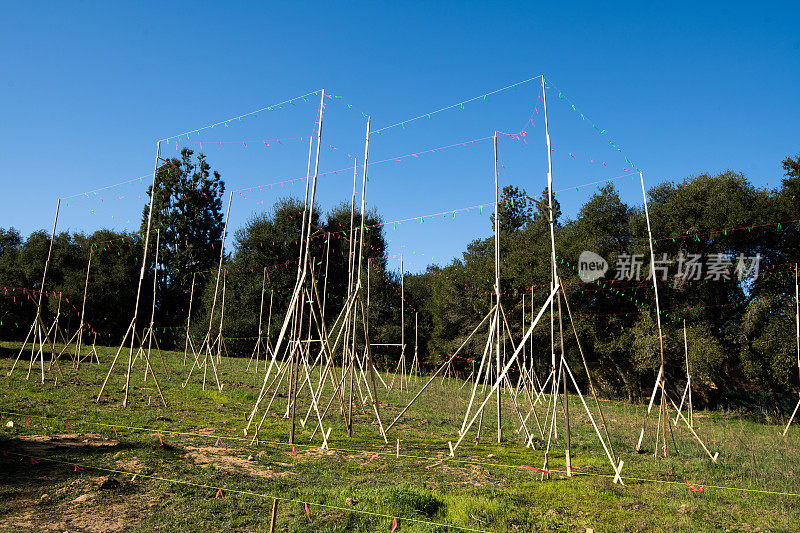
(161, 442)
(437, 463)
(543, 471)
(370, 459)
(115, 431)
(66, 425)
(394, 525)
(34, 461)
(27, 421)
(294, 452)
(308, 513)
(220, 443)
(220, 495)
(78, 468)
(694, 488)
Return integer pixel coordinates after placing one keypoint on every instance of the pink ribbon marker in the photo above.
(219, 442)
(34, 461)
(536, 469)
(115, 430)
(394, 525)
(437, 463)
(294, 452)
(308, 514)
(370, 459)
(694, 488)
(220, 495)
(159, 438)
(78, 469)
(27, 421)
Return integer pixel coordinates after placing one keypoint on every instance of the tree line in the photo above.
(725, 256)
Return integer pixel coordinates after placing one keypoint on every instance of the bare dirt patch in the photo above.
(38, 445)
(212, 456)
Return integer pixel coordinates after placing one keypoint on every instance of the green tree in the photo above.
(187, 209)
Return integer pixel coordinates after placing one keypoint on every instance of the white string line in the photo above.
(598, 181)
(387, 160)
(107, 187)
(240, 116)
(457, 104)
(586, 118)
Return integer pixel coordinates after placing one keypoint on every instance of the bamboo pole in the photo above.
(663, 404)
(430, 380)
(153, 307)
(497, 290)
(36, 327)
(507, 367)
(132, 326)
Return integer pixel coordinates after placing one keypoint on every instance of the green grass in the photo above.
(482, 487)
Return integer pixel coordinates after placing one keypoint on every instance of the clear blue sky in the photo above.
(684, 88)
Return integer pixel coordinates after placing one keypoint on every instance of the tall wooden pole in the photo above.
(554, 280)
(37, 327)
(663, 406)
(305, 241)
(132, 327)
(498, 366)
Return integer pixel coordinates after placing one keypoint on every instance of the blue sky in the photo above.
(683, 88)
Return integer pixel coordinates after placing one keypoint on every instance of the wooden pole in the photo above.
(567, 457)
(269, 324)
(273, 516)
(663, 406)
(402, 322)
(138, 290)
(498, 365)
(37, 326)
(554, 280)
(506, 368)
(83, 311)
(150, 332)
(260, 316)
(188, 320)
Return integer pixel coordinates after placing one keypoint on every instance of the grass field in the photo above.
(347, 488)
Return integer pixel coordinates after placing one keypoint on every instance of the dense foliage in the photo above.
(740, 332)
